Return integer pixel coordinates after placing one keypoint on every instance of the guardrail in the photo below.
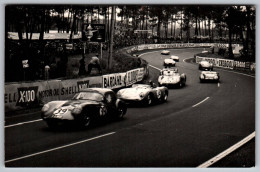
(227, 63)
(176, 45)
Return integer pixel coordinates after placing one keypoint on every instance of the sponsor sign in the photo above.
(141, 74)
(27, 96)
(132, 76)
(83, 84)
(116, 80)
(239, 64)
(226, 63)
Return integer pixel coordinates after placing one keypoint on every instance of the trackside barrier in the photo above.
(178, 45)
(33, 94)
(226, 63)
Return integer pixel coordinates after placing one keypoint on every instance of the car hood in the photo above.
(70, 104)
(132, 92)
(64, 108)
(205, 64)
(169, 79)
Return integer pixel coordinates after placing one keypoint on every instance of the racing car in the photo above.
(170, 77)
(175, 58)
(169, 63)
(205, 65)
(88, 105)
(146, 94)
(209, 76)
(165, 52)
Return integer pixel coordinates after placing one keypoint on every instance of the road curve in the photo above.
(174, 134)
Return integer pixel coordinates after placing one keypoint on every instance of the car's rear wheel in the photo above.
(165, 97)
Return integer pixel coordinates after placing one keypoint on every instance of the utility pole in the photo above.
(110, 59)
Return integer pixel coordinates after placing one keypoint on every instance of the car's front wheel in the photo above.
(121, 111)
(86, 121)
(149, 100)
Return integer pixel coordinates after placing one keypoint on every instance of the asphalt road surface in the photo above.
(196, 123)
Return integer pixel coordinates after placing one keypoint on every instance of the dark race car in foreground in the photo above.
(85, 107)
(209, 76)
(205, 65)
(170, 77)
(143, 93)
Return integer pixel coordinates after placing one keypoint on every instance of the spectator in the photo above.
(94, 63)
(82, 69)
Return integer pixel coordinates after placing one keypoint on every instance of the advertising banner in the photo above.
(141, 74)
(239, 64)
(132, 76)
(224, 63)
(27, 95)
(115, 80)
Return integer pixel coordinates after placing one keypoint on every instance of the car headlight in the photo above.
(77, 110)
(202, 76)
(45, 108)
(141, 94)
(216, 77)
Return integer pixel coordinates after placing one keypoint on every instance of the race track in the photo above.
(196, 123)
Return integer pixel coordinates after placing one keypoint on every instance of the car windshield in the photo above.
(88, 96)
(169, 73)
(141, 86)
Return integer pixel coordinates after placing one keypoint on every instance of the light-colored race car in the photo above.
(209, 76)
(85, 107)
(165, 52)
(169, 63)
(175, 58)
(143, 93)
(205, 65)
(170, 77)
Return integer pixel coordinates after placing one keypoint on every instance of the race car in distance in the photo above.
(170, 77)
(209, 76)
(205, 65)
(165, 52)
(175, 58)
(85, 107)
(147, 94)
(169, 63)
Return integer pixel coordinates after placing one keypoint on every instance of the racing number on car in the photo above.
(102, 111)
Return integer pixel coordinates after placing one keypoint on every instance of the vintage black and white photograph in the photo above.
(123, 86)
